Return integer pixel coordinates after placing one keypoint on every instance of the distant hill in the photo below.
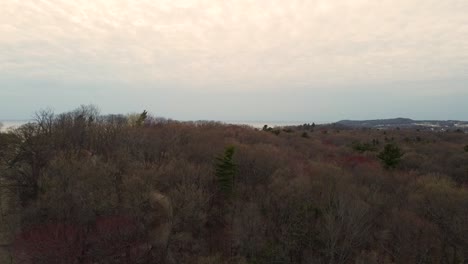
(439, 125)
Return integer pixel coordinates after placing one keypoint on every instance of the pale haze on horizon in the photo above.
(292, 60)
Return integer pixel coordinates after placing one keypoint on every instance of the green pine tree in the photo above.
(225, 171)
(390, 156)
(141, 119)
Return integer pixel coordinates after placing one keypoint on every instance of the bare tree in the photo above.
(45, 120)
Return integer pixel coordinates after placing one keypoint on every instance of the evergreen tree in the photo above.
(225, 171)
(390, 156)
(141, 119)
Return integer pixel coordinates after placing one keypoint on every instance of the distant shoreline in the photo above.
(256, 124)
(8, 124)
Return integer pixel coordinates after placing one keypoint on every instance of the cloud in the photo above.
(243, 44)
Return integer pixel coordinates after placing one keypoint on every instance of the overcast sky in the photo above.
(314, 60)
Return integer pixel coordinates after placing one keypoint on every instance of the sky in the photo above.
(311, 60)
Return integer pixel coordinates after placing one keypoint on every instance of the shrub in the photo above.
(363, 147)
(276, 131)
(50, 243)
(109, 238)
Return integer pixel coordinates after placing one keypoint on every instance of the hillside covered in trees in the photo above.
(80, 187)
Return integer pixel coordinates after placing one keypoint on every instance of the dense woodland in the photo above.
(138, 189)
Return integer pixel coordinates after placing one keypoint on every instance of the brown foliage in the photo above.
(101, 189)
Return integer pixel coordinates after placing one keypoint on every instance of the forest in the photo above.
(81, 187)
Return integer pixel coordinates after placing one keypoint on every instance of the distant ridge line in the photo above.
(405, 123)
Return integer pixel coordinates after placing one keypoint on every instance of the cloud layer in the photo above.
(233, 46)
